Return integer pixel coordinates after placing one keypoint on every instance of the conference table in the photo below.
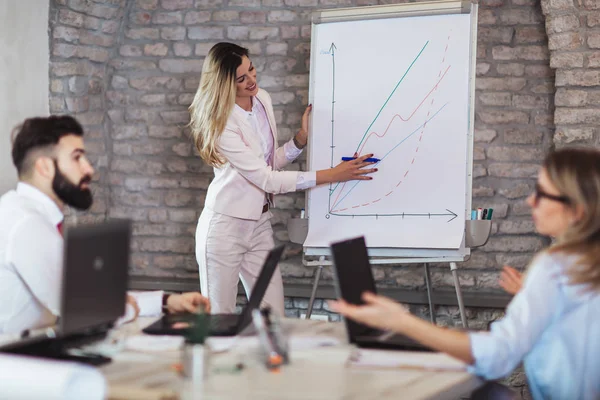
(318, 369)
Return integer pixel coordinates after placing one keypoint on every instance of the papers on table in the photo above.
(404, 359)
(149, 343)
(9, 338)
(297, 343)
(28, 378)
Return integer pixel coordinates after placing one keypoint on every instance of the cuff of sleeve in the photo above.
(150, 303)
(291, 151)
(306, 180)
(482, 351)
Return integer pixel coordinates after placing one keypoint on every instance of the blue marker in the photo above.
(370, 159)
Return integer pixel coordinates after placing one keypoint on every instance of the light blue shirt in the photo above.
(554, 328)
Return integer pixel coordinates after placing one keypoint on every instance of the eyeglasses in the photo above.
(538, 194)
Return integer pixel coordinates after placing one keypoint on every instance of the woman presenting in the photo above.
(233, 127)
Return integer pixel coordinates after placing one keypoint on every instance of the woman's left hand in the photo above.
(379, 312)
(302, 136)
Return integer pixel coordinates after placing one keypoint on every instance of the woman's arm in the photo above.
(252, 167)
(258, 172)
(386, 314)
(494, 354)
(293, 148)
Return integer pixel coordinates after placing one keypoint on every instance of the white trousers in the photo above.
(229, 249)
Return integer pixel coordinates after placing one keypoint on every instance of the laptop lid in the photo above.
(353, 277)
(95, 274)
(261, 285)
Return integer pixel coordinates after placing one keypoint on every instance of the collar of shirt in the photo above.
(44, 204)
(245, 113)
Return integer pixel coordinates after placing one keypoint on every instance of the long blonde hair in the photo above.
(215, 99)
(576, 174)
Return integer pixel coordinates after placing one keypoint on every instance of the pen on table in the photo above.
(370, 159)
(490, 212)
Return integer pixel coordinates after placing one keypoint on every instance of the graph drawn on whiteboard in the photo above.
(398, 89)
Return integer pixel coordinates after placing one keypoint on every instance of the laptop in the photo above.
(353, 278)
(222, 324)
(93, 295)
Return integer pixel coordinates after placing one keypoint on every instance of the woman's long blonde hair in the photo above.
(215, 99)
(576, 174)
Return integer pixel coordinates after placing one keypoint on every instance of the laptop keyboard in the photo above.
(223, 323)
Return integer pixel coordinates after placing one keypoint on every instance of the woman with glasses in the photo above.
(511, 280)
(552, 323)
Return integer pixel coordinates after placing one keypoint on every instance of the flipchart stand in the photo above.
(477, 233)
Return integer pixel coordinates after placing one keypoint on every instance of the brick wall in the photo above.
(128, 71)
(574, 40)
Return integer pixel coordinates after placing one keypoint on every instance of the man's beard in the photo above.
(71, 194)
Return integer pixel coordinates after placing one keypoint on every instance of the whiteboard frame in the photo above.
(387, 255)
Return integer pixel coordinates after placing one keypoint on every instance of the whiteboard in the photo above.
(396, 81)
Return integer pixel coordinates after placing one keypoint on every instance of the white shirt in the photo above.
(553, 327)
(31, 262)
(257, 118)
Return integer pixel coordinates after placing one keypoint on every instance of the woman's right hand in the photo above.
(511, 280)
(347, 171)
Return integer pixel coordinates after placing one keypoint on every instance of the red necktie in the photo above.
(59, 226)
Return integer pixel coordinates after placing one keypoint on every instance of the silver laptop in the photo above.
(93, 295)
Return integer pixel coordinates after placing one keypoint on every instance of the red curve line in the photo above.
(417, 149)
(338, 195)
(402, 118)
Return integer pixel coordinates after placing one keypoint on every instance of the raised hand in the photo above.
(511, 280)
(302, 135)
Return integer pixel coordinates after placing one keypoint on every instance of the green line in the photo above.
(390, 96)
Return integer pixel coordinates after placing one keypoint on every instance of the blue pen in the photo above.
(370, 159)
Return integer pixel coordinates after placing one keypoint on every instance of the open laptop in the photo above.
(223, 324)
(354, 277)
(93, 295)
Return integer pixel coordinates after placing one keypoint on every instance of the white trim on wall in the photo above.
(24, 63)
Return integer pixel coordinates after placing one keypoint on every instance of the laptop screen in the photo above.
(95, 273)
(261, 285)
(354, 277)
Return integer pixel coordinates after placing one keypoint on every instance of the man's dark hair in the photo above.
(40, 133)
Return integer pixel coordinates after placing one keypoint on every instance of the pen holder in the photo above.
(297, 229)
(195, 361)
(477, 232)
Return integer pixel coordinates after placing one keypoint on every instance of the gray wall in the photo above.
(23, 73)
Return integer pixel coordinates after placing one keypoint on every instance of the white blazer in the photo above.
(239, 186)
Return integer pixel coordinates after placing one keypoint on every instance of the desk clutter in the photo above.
(321, 365)
(152, 367)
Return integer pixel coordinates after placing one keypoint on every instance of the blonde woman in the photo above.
(233, 128)
(552, 323)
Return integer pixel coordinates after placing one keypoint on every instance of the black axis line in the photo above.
(332, 51)
(402, 215)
